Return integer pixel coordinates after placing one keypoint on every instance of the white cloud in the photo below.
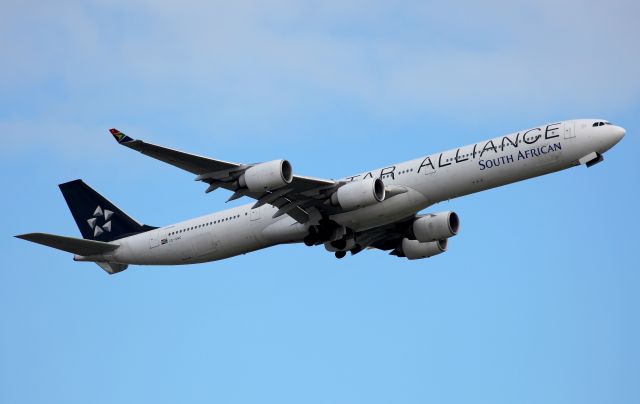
(74, 64)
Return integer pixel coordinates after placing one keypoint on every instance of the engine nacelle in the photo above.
(435, 227)
(357, 194)
(415, 250)
(267, 176)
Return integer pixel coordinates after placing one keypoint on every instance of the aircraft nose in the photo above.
(618, 133)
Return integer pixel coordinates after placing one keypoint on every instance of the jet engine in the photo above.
(267, 176)
(357, 194)
(435, 227)
(414, 250)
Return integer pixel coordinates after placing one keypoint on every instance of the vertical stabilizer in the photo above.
(97, 218)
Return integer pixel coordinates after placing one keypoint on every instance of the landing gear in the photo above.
(340, 254)
(320, 233)
(310, 241)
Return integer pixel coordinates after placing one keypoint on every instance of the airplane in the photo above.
(377, 209)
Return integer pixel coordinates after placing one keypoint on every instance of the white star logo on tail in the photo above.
(93, 222)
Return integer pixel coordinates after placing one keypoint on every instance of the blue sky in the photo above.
(536, 300)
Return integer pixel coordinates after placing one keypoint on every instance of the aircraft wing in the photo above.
(299, 199)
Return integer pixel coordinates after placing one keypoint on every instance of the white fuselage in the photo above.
(427, 180)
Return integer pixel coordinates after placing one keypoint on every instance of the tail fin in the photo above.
(96, 217)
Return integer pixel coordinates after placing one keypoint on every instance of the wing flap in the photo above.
(70, 244)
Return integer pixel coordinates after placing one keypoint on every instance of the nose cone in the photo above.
(618, 133)
(611, 137)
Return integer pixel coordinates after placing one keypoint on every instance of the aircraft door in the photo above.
(569, 130)
(154, 240)
(255, 214)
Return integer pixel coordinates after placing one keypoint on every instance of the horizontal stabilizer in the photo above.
(70, 244)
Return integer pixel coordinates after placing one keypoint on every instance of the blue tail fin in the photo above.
(96, 217)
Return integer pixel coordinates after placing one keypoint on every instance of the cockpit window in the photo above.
(600, 124)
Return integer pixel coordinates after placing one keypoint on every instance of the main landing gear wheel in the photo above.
(340, 254)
